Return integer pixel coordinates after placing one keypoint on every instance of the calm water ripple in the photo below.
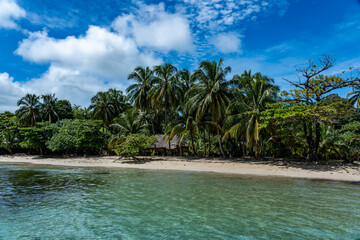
(65, 203)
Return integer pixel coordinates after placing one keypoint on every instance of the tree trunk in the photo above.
(193, 145)
(312, 156)
(204, 143)
(209, 143)
(152, 127)
(317, 138)
(219, 138)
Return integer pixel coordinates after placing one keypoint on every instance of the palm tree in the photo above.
(186, 127)
(187, 79)
(355, 95)
(139, 91)
(8, 140)
(103, 108)
(211, 94)
(49, 107)
(130, 122)
(258, 90)
(166, 91)
(118, 100)
(29, 109)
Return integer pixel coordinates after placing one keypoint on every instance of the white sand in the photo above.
(218, 165)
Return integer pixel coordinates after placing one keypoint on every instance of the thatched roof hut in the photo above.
(173, 146)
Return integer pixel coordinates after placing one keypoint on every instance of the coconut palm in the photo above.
(186, 79)
(258, 90)
(8, 140)
(166, 91)
(49, 107)
(130, 122)
(355, 95)
(186, 127)
(103, 108)
(139, 91)
(211, 94)
(118, 100)
(29, 108)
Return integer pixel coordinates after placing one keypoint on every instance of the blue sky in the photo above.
(75, 48)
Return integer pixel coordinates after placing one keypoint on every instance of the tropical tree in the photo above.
(29, 109)
(130, 122)
(49, 107)
(211, 94)
(118, 100)
(187, 79)
(257, 92)
(166, 91)
(138, 92)
(8, 140)
(355, 95)
(103, 108)
(186, 127)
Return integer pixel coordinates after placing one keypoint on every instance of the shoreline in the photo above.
(301, 170)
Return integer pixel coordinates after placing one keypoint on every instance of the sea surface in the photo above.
(78, 203)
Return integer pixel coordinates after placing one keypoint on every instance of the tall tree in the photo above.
(118, 100)
(29, 109)
(355, 95)
(258, 91)
(49, 107)
(311, 88)
(211, 94)
(187, 126)
(103, 108)
(166, 91)
(130, 122)
(138, 92)
(187, 79)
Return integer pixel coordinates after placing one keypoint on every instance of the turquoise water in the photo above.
(64, 203)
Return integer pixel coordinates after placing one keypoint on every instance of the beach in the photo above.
(274, 168)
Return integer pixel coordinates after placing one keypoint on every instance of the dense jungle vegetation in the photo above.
(247, 115)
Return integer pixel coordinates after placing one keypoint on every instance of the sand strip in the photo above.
(217, 165)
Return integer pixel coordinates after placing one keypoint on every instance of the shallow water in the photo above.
(71, 203)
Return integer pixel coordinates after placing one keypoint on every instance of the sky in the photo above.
(75, 48)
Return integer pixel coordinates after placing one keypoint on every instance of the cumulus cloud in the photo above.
(10, 92)
(227, 42)
(99, 52)
(151, 26)
(81, 66)
(9, 12)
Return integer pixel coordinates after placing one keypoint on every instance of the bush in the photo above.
(133, 145)
(77, 134)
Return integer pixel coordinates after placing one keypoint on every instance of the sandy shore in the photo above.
(218, 165)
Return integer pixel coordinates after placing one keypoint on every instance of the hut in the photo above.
(172, 147)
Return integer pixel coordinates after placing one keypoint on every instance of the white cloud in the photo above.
(10, 92)
(9, 12)
(153, 27)
(227, 42)
(216, 14)
(81, 66)
(99, 52)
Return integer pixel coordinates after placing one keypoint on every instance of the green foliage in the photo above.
(29, 110)
(77, 134)
(297, 112)
(133, 145)
(349, 139)
(35, 137)
(106, 106)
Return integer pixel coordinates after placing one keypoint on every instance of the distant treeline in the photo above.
(244, 116)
